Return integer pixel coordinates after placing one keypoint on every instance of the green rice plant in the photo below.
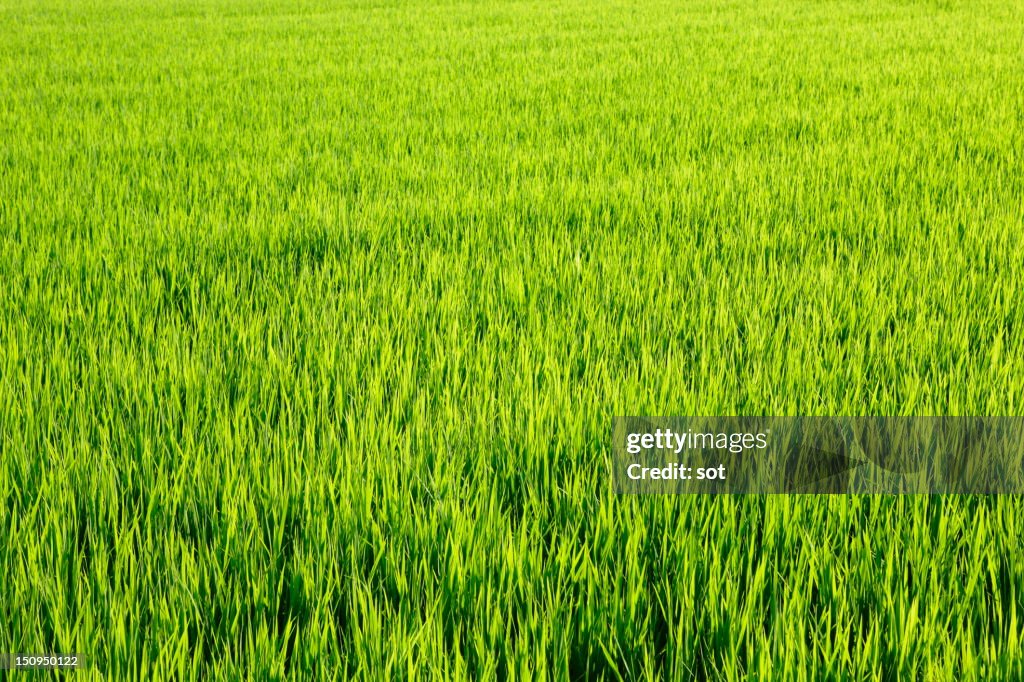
(314, 317)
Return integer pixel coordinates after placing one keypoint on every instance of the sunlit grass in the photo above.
(314, 317)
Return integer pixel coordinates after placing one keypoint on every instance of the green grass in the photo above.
(314, 317)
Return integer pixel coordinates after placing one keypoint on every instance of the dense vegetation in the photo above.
(314, 317)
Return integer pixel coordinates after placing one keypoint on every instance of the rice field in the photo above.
(315, 315)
